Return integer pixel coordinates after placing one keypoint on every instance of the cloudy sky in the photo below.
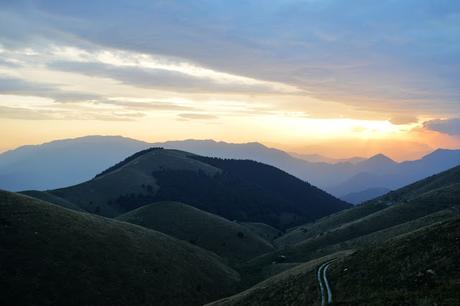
(335, 77)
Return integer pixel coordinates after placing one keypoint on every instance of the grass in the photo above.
(263, 230)
(372, 229)
(286, 288)
(50, 255)
(230, 240)
(241, 190)
(417, 268)
(51, 198)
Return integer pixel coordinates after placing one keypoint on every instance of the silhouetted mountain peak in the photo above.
(377, 160)
(381, 157)
(441, 153)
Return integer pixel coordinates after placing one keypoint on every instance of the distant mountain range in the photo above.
(62, 163)
(67, 162)
(190, 230)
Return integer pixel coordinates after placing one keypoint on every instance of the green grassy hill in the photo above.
(413, 201)
(228, 239)
(51, 198)
(263, 230)
(370, 224)
(418, 268)
(291, 287)
(50, 255)
(240, 190)
(327, 223)
(443, 179)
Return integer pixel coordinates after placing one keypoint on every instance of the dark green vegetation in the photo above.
(413, 208)
(419, 268)
(51, 198)
(263, 230)
(228, 239)
(235, 189)
(54, 256)
(400, 248)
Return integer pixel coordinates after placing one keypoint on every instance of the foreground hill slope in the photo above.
(51, 198)
(240, 190)
(419, 268)
(228, 239)
(54, 256)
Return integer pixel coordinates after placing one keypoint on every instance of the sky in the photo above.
(338, 78)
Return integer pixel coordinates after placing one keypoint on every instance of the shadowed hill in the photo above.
(228, 239)
(54, 256)
(263, 230)
(368, 224)
(423, 197)
(241, 190)
(419, 268)
(51, 198)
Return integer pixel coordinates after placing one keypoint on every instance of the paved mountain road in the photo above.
(325, 288)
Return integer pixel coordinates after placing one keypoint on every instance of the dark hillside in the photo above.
(227, 239)
(239, 190)
(420, 268)
(50, 255)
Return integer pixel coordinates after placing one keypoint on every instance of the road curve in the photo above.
(326, 282)
(321, 276)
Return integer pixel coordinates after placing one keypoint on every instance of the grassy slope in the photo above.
(51, 198)
(228, 239)
(374, 228)
(341, 218)
(263, 230)
(399, 271)
(286, 288)
(419, 268)
(324, 224)
(54, 256)
(420, 206)
(132, 177)
(449, 177)
(241, 190)
(397, 214)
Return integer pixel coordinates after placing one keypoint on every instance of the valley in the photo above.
(237, 232)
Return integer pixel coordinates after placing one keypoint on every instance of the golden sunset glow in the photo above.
(317, 97)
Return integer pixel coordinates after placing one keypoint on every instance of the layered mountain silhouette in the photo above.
(67, 162)
(240, 190)
(190, 230)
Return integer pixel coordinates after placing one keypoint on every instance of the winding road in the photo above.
(325, 288)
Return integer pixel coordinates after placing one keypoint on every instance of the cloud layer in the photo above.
(274, 68)
(449, 126)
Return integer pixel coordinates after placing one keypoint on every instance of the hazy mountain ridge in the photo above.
(63, 163)
(47, 167)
